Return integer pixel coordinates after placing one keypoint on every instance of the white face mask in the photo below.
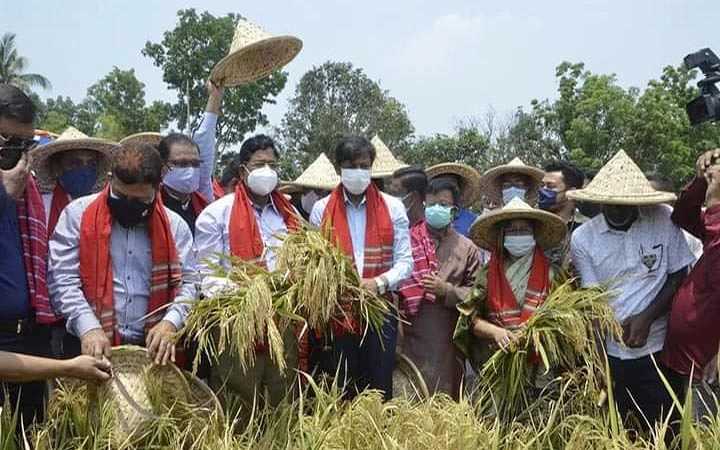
(519, 245)
(262, 181)
(356, 181)
(308, 200)
(184, 180)
(512, 192)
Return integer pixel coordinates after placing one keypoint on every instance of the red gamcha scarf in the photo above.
(96, 264)
(379, 234)
(34, 241)
(425, 262)
(503, 308)
(60, 199)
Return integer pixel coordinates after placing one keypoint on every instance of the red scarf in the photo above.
(245, 238)
(379, 234)
(218, 190)
(197, 201)
(60, 199)
(34, 240)
(425, 262)
(503, 307)
(96, 265)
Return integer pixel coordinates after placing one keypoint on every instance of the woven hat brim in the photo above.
(387, 173)
(655, 198)
(470, 177)
(42, 155)
(489, 185)
(549, 231)
(255, 61)
(142, 138)
(323, 186)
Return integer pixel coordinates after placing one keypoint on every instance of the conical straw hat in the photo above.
(148, 137)
(254, 54)
(320, 174)
(469, 179)
(385, 163)
(71, 139)
(621, 182)
(549, 228)
(490, 186)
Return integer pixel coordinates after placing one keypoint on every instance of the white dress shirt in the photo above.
(357, 218)
(212, 232)
(634, 264)
(131, 255)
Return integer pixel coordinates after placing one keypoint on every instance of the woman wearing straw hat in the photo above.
(635, 249)
(72, 166)
(515, 179)
(515, 282)
(467, 181)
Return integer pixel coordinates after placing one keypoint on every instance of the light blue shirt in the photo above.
(204, 137)
(212, 232)
(357, 218)
(131, 256)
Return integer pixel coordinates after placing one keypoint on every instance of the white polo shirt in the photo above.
(634, 265)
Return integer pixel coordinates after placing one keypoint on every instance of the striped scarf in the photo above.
(379, 233)
(33, 235)
(60, 199)
(96, 264)
(503, 308)
(425, 263)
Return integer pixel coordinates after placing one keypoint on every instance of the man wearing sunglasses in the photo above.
(25, 309)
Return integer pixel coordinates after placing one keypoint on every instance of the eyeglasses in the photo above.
(184, 163)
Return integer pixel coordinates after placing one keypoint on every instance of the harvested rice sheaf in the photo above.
(314, 283)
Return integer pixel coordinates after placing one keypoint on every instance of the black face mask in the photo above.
(620, 217)
(589, 210)
(128, 213)
(9, 158)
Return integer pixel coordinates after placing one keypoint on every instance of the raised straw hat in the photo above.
(490, 185)
(147, 137)
(254, 54)
(469, 179)
(320, 174)
(385, 163)
(71, 139)
(549, 228)
(621, 182)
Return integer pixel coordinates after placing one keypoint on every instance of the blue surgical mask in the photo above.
(512, 192)
(79, 181)
(547, 198)
(184, 180)
(439, 216)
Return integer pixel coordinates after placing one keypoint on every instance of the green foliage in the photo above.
(333, 100)
(13, 65)
(186, 56)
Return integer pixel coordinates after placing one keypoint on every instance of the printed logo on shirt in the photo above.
(652, 258)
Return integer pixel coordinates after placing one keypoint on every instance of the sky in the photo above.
(446, 60)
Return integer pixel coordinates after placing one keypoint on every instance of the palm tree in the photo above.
(12, 67)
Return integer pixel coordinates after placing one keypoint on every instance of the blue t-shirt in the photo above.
(14, 294)
(464, 221)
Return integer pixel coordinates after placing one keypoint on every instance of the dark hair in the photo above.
(661, 183)
(228, 173)
(438, 185)
(573, 177)
(352, 147)
(171, 139)
(253, 144)
(15, 104)
(413, 179)
(137, 164)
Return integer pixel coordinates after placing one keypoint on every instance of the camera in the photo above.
(706, 106)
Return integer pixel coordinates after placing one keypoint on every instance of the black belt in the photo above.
(18, 327)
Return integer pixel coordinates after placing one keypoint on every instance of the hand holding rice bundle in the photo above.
(314, 284)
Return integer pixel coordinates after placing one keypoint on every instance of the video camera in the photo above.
(707, 105)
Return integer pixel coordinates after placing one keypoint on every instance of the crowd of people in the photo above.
(105, 244)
